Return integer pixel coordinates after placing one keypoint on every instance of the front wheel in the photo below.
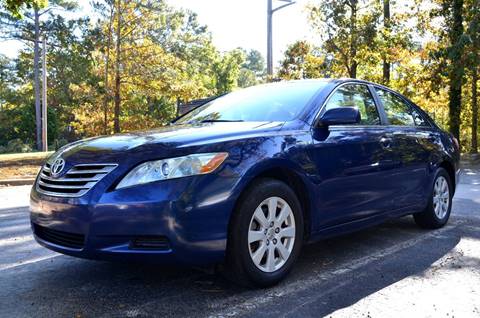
(266, 234)
(439, 206)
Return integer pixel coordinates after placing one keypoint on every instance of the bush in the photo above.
(58, 143)
(16, 146)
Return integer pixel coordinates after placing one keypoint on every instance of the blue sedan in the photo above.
(248, 178)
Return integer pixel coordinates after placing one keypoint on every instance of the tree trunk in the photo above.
(106, 98)
(36, 79)
(456, 70)
(353, 70)
(353, 40)
(474, 111)
(386, 24)
(116, 123)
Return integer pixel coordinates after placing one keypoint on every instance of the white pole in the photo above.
(44, 97)
(269, 39)
(270, 12)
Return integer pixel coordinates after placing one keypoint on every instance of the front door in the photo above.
(354, 163)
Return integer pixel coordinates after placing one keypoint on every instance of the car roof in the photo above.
(332, 80)
(337, 81)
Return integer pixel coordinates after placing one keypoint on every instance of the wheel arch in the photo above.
(290, 177)
(449, 167)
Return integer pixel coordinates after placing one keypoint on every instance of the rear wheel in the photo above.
(439, 206)
(265, 235)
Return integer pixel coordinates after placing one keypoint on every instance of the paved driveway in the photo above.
(395, 269)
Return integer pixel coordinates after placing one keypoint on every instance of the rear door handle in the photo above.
(386, 142)
(432, 137)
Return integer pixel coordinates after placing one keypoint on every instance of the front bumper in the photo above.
(191, 213)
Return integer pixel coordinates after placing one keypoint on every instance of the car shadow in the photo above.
(330, 275)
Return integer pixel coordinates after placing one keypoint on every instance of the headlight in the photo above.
(173, 168)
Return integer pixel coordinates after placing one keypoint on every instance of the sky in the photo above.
(233, 23)
(243, 23)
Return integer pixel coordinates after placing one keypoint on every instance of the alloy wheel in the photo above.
(441, 197)
(271, 234)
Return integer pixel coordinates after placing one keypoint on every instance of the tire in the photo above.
(247, 223)
(436, 215)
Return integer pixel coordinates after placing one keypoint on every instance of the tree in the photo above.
(148, 56)
(252, 70)
(22, 30)
(164, 55)
(348, 29)
(15, 7)
(246, 78)
(454, 17)
(386, 25)
(473, 58)
(227, 70)
(293, 66)
(255, 62)
(302, 60)
(451, 56)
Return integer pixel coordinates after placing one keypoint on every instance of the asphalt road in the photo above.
(395, 269)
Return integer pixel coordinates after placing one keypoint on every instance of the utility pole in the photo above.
(36, 79)
(270, 12)
(44, 97)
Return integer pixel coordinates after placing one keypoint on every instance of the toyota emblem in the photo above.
(57, 167)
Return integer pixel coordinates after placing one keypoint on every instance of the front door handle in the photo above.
(386, 142)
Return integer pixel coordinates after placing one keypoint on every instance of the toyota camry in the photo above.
(246, 179)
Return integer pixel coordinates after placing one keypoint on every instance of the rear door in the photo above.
(353, 162)
(411, 143)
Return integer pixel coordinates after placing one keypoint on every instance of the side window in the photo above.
(356, 96)
(418, 118)
(398, 112)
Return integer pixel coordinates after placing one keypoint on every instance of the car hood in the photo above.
(161, 142)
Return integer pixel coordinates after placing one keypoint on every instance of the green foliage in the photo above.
(164, 56)
(227, 70)
(15, 6)
(302, 60)
(430, 47)
(252, 69)
(134, 67)
(254, 62)
(246, 78)
(20, 123)
(16, 146)
(348, 29)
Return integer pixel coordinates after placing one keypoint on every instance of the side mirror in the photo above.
(340, 116)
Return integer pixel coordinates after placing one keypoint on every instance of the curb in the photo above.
(473, 159)
(16, 182)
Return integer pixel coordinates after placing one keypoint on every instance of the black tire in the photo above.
(428, 219)
(239, 265)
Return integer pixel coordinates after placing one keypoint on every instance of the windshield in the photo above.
(269, 102)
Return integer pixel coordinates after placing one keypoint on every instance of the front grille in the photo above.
(150, 243)
(61, 238)
(75, 183)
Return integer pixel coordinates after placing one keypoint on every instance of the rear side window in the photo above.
(419, 119)
(359, 96)
(398, 112)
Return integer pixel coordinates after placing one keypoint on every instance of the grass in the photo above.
(20, 157)
(21, 165)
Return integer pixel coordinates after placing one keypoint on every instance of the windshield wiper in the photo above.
(220, 120)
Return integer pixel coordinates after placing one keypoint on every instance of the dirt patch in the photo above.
(25, 171)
